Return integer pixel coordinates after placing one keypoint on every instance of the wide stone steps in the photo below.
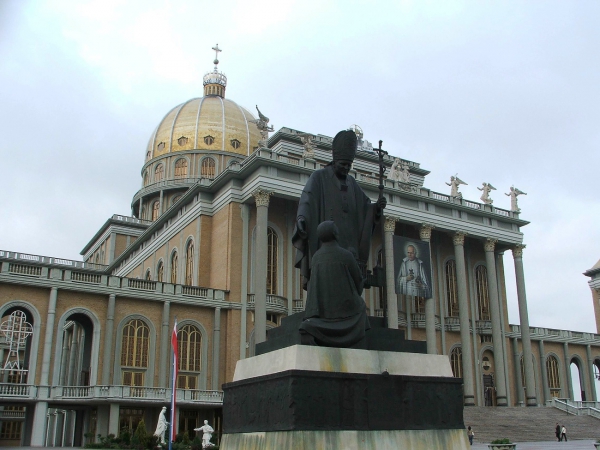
(521, 424)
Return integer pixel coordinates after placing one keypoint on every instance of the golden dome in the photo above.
(209, 123)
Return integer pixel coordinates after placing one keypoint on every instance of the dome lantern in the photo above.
(215, 82)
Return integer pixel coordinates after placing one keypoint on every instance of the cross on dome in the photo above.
(217, 51)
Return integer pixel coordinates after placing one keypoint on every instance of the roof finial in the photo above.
(217, 50)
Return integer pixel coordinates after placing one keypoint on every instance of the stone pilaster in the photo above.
(499, 374)
(108, 340)
(392, 299)
(165, 343)
(517, 252)
(262, 199)
(517, 371)
(245, 212)
(568, 389)
(545, 384)
(590, 366)
(216, 349)
(425, 235)
(48, 336)
(463, 314)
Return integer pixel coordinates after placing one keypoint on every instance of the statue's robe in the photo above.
(335, 313)
(324, 198)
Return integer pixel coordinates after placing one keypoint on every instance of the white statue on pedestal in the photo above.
(161, 426)
(485, 195)
(207, 432)
(513, 194)
(454, 183)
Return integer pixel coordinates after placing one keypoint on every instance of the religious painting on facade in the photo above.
(412, 267)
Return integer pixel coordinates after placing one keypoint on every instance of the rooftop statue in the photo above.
(331, 194)
(454, 183)
(262, 123)
(485, 195)
(309, 146)
(513, 194)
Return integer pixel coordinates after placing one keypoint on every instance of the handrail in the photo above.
(577, 408)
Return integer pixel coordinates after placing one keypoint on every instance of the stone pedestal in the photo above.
(305, 397)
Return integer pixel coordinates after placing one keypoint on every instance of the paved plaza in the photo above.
(550, 445)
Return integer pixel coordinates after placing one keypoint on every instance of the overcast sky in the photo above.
(502, 92)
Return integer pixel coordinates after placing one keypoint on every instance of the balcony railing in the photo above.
(275, 303)
(47, 260)
(87, 393)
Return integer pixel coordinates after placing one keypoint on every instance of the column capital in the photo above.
(425, 231)
(458, 238)
(262, 197)
(490, 244)
(517, 250)
(390, 224)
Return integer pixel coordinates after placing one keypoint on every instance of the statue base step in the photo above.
(349, 439)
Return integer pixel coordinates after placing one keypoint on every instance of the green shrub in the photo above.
(501, 441)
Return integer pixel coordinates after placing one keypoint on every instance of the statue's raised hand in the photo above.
(381, 203)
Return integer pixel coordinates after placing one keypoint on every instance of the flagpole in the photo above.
(173, 383)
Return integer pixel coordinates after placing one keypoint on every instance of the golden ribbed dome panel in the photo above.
(210, 123)
(184, 131)
(162, 139)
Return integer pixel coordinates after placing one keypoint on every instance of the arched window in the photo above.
(272, 254)
(190, 356)
(189, 264)
(553, 376)
(483, 297)
(148, 276)
(208, 168)
(160, 271)
(174, 268)
(134, 352)
(456, 362)
(155, 210)
(181, 168)
(451, 288)
(158, 173)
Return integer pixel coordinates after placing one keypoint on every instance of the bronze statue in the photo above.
(331, 194)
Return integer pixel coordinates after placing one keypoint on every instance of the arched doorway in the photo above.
(577, 381)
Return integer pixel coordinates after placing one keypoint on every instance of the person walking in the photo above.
(558, 432)
(563, 433)
(470, 434)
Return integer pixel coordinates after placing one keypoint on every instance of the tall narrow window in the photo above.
(189, 264)
(208, 168)
(181, 166)
(174, 268)
(483, 297)
(158, 173)
(160, 272)
(456, 362)
(148, 275)
(190, 356)
(451, 289)
(272, 261)
(155, 210)
(134, 352)
(553, 376)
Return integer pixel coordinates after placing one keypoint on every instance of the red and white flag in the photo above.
(174, 381)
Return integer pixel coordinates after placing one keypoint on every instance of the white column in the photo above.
(500, 378)
(463, 315)
(260, 280)
(245, 212)
(517, 252)
(390, 284)
(425, 234)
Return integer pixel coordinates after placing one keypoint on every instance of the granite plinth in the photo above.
(342, 360)
(377, 338)
(348, 440)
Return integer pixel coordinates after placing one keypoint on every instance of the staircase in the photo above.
(526, 424)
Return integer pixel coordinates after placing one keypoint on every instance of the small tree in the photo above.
(140, 436)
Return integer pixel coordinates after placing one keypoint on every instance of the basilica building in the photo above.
(85, 346)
